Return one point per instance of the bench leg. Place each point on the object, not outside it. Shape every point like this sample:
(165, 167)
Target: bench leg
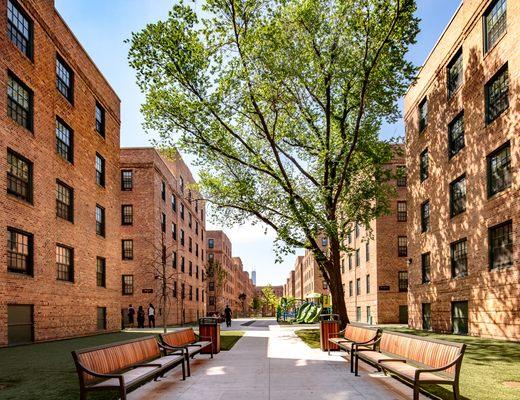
(122, 393)
(352, 358)
(415, 391)
(456, 393)
(183, 370)
(211, 350)
(82, 395)
(188, 364)
(356, 365)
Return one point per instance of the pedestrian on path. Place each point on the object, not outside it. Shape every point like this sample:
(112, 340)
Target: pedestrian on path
(151, 316)
(140, 317)
(227, 312)
(131, 314)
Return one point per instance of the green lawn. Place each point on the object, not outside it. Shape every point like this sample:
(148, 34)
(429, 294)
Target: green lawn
(487, 368)
(46, 371)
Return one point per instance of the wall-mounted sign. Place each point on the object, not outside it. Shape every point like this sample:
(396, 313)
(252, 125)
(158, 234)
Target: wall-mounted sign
(147, 290)
(384, 288)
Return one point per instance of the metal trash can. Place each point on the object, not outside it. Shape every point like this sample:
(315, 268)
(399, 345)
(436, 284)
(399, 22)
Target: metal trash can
(210, 327)
(329, 323)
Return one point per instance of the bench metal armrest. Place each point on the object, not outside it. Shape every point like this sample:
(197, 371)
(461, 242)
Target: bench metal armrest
(182, 349)
(145, 365)
(120, 377)
(418, 372)
(342, 332)
(393, 359)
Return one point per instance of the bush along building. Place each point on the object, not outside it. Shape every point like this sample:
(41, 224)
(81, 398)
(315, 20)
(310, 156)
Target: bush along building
(59, 140)
(463, 155)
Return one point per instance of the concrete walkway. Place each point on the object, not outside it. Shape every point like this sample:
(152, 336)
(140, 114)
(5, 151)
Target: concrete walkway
(271, 363)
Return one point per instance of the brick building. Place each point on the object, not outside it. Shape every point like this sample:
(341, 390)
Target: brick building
(312, 278)
(59, 137)
(463, 155)
(298, 278)
(374, 272)
(243, 285)
(162, 220)
(289, 286)
(267, 310)
(221, 277)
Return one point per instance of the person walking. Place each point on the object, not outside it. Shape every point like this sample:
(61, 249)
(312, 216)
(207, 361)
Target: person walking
(227, 313)
(131, 314)
(140, 317)
(151, 316)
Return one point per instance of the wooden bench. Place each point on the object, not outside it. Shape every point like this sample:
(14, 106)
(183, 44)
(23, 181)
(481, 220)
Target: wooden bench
(123, 365)
(416, 360)
(187, 341)
(353, 337)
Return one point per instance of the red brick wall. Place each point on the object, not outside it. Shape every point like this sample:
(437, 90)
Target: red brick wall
(225, 292)
(150, 169)
(492, 295)
(61, 309)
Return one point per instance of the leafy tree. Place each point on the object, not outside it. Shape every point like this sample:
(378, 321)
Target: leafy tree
(256, 304)
(280, 102)
(242, 297)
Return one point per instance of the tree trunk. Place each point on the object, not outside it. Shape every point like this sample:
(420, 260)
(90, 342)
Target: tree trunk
(333, 267)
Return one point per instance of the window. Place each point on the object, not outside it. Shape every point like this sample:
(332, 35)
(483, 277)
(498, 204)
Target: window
(196, 249)
(211, 243)
(197, 294)
(423, 114)
(126, 180)
(456, 135)
(127, 249)
(367, 251)
(368, 283)
(369, 315)
(358, 258)
(174, 260)
(128, 285)
(402, 279)
(182, 237)
(358, 286)
(423, 165)
(174, 231)
(350, 290)
(401, 211)
(64, 79)
(190, 244)
(100, 119)
(190, 220)
(349, 237)
(211, 286)
(100, 170)
(497, 94)
(458, 196)
(163, 222)
(163, 191)
(358, 314)
(190, 293)
(425, 267)
(19, 176)
(459, 317)
(101, 318)
(211, 300)
(64, 201)
(174, 203)
(426, 316)
(425, 216)
(183, 264)
(455, 75)
(401, 176)
(175, 289)
(402, 246)
(19, 251)
(100, 220)
(197, 272)
(495, 23)
(342, 265)
(64, 140)
(182, 211)
(350, 261)
(20, 28)
(499, 169)
(101, 272)
(127, 214)
(181, 184)
(356, 230)
(64, 263)
(211, 257)
(190, 268)
(501, 245)
(459, 258)
(19, 102)
(183, 291)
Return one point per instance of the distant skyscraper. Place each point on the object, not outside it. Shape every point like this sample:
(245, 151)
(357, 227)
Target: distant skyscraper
(253, 276)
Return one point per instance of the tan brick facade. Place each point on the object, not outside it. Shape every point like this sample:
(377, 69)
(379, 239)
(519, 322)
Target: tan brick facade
(242, 285)
(464, 274)
(312, 278)
(221, 292)
(371, 270)
(68, 306)
(298, 278)
(166, 210)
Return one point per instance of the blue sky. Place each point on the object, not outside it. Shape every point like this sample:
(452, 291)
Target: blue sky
(102, 26)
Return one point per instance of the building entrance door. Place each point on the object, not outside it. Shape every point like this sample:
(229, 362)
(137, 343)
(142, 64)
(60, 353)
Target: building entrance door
(403, 314)
(20, 324)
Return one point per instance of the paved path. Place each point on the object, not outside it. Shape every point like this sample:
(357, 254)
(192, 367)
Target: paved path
(270, 363)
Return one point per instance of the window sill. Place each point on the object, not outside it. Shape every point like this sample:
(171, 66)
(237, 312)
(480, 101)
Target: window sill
(20, 274)
(490, 50)
(497, 117)
(499, 194)
(62, 281)
(20, 200)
